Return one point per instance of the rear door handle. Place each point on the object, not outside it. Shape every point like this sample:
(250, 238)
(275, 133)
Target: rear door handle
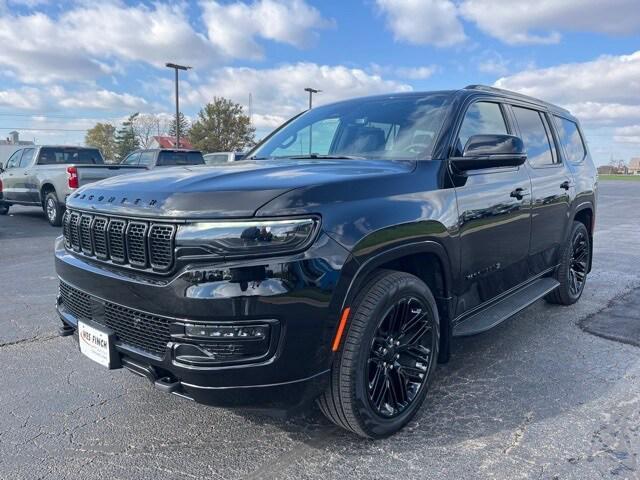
(519, 193)
(566, 185)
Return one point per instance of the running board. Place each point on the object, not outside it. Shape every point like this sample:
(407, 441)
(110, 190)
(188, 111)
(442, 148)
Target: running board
(504, 308)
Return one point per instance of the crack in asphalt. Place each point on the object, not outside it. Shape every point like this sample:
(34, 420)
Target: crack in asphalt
(37, 338)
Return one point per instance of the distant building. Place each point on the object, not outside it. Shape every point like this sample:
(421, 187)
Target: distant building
(607, 170)
(169, 142)
(10, 145)
(634, 166)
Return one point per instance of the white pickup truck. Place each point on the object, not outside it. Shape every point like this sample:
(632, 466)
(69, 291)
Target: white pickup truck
(47, 175)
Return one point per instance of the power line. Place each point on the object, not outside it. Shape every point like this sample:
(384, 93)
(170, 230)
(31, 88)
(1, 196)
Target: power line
(46, 129)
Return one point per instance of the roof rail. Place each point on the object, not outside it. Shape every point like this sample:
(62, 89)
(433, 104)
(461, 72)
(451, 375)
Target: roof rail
(509, 93)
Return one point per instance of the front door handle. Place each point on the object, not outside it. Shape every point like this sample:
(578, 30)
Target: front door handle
(519, 193)
(566, 185)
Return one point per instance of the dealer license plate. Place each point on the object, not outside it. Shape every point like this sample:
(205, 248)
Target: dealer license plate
(94, 344)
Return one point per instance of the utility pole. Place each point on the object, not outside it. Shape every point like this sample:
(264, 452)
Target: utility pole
(177, 67)
(311, 92)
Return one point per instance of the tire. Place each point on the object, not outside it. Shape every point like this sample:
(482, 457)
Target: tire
(4, 208)
(574, 263)
(52, 209)
(362, 363)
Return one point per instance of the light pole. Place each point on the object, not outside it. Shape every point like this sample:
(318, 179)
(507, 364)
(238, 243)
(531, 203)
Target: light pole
(311, 92)
(177, 67)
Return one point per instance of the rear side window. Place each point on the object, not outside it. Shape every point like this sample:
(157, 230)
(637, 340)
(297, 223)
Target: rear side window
(570, 139)
(168, 158)
(536, 137)
(27, 157)
(482, 118)
(64, 155)
(146, 158)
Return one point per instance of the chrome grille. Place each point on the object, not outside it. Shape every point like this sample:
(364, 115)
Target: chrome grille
(139, 329)
(137, 244)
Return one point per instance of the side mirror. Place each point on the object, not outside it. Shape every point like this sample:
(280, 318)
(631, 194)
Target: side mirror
(491, 151)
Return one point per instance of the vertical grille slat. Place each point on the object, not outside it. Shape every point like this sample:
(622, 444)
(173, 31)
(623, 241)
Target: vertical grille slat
(74, 231)
(137, 244)
(86, 242)
(117, 241)
(161, 239)
(99, 230)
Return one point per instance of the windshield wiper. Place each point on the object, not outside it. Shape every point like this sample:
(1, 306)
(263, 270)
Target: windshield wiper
(315, 156)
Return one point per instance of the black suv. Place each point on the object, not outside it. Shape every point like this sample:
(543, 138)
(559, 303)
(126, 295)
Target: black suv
(338, 262)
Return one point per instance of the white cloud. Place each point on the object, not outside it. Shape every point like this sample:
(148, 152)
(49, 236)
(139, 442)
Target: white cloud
(605, 90)
(540, 21)
(233, 27)
(630, 134)
(278, 93)
(26, 98)
(102, 99)
(416, 73)
(423, 22)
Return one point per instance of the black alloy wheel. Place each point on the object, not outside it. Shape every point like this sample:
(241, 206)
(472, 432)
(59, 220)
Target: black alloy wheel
(386, 357)
(575, 261)
(400, 356)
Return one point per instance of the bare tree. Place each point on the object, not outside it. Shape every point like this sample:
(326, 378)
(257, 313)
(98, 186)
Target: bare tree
(145, 127)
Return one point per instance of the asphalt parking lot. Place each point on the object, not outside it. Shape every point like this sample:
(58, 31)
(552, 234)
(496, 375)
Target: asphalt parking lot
(537, 397)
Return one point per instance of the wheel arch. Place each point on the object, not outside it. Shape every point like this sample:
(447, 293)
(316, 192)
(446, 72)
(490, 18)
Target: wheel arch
(45, 188)
(427, 260)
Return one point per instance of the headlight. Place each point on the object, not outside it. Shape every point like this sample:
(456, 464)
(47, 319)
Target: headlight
(247, 238)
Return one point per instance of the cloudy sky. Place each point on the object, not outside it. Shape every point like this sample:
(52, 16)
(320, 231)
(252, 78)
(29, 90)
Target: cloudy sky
(66, 64)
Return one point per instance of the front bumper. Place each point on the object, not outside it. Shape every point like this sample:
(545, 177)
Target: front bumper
(295, 296)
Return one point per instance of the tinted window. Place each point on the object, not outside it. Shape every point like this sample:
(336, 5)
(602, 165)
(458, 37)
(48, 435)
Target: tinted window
(63, 155)
(91, 156)
(27, 157)
(394, 128)
(14, 159)
(536, 137)
(167, 158)
(146, 158)
(216, 158)
(131, 159)
(481, 118)
(570, 139)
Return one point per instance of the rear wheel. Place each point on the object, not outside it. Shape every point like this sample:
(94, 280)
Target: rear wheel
(4, 208)
(383, 369)
(53, 209)
(574, 264)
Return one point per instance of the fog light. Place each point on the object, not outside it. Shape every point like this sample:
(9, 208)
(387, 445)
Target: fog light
(245, 332)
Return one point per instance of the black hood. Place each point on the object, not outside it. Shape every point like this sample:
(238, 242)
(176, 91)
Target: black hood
(235, 190)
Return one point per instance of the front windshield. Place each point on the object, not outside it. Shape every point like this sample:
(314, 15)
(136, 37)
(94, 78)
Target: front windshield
(395, 128)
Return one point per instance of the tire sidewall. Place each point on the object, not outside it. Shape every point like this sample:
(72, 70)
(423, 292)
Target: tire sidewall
(51, 196)
(578, 226)
(374, 424)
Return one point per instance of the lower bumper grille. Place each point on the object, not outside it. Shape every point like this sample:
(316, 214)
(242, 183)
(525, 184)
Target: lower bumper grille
(141, 330)
(137, 329)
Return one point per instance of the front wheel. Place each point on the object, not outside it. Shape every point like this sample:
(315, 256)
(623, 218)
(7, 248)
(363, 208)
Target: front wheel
(53, 209)
(4, 208)
(574, 265)
(388, 353)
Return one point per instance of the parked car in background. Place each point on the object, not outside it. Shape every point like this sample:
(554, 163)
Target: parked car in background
(335, 267)
(163, 157)
(217, 158)
(47, 175)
